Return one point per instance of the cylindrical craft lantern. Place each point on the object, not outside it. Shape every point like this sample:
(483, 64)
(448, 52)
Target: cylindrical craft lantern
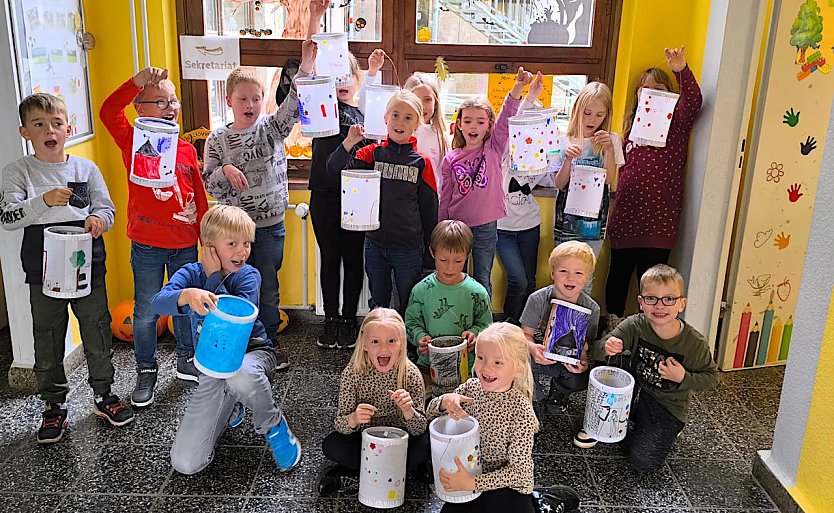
(67, 262)
(452, 439)
(449, 363)
(360, 200)
(528, 153)
(317, 106)
(585, 189)
(608, 404)
(376, 101)
(224, 336)
(154, 152)
(332, 57)
(553, 137)
(382, 470)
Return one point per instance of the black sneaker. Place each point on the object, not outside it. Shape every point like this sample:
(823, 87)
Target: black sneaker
(555, 499)
(336, 479)
(281, 360)
(53, 425)
(346, 339)
(329, 334)
(145, 383)
(557, 402)
(186, 370)
(111, 409)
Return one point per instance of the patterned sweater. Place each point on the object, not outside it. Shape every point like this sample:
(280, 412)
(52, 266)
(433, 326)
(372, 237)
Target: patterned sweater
(372, 388)
(649, 197)
(507, 424)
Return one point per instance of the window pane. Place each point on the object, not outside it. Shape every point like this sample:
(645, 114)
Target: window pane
(506, 22)
(461, 86)
(361, 19)
(295, 145)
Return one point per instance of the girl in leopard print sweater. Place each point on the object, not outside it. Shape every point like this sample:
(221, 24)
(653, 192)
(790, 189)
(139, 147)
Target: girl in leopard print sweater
(501, 399)
(379, 387)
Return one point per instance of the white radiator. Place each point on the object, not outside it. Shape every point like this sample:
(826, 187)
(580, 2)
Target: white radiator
(363, 297)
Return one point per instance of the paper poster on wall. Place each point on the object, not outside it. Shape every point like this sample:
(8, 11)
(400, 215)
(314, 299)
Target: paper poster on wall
(499, 85)
(653, 118)
(50, 58)
(208, 57)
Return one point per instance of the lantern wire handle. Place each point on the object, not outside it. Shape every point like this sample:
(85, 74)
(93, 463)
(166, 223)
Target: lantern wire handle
(396, 74)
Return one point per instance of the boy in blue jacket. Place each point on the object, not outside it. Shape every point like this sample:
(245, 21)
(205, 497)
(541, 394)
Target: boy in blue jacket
(227, 233)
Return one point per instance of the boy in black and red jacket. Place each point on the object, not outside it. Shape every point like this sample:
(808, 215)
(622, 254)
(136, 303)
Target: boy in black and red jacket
(408, 200)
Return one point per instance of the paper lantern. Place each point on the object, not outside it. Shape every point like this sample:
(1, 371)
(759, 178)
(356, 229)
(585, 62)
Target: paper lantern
(527, 145)
(224, 336)
(376, 101)
(452, 439)
(332, 57)
(555, 140)
(608, 404)
(653, 117)
(585, 189)
(154, 152)
(449, 364)
(317, 106)
(566, 329)
(67, 262)
(382, 469)
(360, 200)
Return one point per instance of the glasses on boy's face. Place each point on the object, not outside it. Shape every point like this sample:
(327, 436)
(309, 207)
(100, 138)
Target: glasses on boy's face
(163, 104)
(666, 300)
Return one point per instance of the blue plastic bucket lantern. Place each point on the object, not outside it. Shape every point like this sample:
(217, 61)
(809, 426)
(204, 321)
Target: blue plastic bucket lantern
(224, 336)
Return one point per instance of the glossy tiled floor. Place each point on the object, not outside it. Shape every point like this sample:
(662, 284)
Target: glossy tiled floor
(99, 468)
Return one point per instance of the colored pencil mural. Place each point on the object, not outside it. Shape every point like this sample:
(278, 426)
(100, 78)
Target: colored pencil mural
(764, 338)
(775, 340)
(743, 333)
(765, 342)
(786, 339)
(750, 358)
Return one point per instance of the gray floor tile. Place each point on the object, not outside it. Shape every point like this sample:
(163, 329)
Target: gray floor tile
(98, 503)
(231, 473)
(766, 377)
(198, 504)
(723, 484)
(312, 391)
(354, 506)
(29, 503)
(569, 471)
(119, 468)
(299, 482)
(703, 438)
(618, 485)
(46, 468)
(271, 505)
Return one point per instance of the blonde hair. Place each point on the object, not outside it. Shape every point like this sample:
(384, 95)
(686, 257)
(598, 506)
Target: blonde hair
(660, 77)
(438, 121)
(41, 101)
(355, 70)
(592, 91)
(513, 346)
(572, 249)
(663, 274)
(409, 99)
(226, 220)
(243, 75)
(361, 363)
(458, 141)
(452, 235)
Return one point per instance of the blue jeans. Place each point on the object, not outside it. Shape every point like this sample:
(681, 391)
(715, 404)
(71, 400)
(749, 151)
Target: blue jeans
(485, 238)
(518, 252)
(149, 264)
(266, 256)
(380, 261)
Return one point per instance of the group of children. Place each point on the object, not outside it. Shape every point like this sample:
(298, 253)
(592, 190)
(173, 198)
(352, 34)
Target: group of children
(440, 204)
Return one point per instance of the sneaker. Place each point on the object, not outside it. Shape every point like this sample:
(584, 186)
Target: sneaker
(555, 499)
(145, 383)
(53, 425)
(329, 334)
(186, 370)
(613, 321)
(346, 338)
(583, 441)
(286, 450)
(336, 479)
(557, 402)
(237, 416)
(281, 360)
(111, 409)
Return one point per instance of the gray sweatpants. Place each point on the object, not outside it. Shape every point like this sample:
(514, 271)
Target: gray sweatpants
(207, 415)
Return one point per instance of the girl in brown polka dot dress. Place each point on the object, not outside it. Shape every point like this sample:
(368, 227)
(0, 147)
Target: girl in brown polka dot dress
(649, 197)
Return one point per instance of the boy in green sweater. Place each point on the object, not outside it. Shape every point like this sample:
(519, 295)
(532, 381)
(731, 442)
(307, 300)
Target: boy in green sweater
(668, 358)
(447, 302)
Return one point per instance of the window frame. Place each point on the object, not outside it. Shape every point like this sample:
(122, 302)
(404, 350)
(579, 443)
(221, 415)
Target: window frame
(409, 56)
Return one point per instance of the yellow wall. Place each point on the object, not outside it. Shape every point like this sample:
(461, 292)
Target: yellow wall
(813, 490)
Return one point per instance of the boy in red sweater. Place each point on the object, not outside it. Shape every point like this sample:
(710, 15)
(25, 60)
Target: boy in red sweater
(163, 224)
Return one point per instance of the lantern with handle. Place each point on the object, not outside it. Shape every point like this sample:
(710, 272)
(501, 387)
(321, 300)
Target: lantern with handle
(332, 57)
(376, 102)
(528, 154)
(317, 106)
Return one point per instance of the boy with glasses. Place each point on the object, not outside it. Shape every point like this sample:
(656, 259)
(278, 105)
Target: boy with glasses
(669, 360)
(162, 223)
